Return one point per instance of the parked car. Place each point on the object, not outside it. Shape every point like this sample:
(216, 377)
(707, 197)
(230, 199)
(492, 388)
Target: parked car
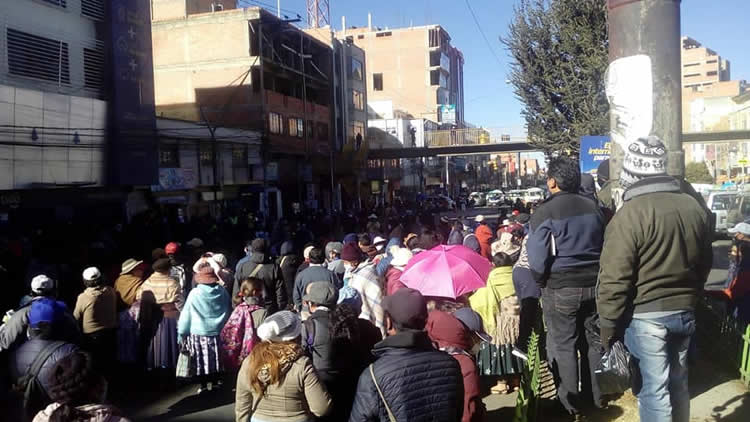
(533, 195)
(720, 202)
(495, 198)
(477, 199)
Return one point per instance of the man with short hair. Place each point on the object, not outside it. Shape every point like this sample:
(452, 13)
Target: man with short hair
(564, 245)
(13, 331)
(316, 271)
(410, 378)
(260, 266)
(657, 256)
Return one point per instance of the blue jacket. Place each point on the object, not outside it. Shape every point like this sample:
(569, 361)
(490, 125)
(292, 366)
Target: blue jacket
(206, 310)
(565, 241)
(419, 382)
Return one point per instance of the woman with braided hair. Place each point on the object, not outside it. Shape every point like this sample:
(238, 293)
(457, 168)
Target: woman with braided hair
(77, 392)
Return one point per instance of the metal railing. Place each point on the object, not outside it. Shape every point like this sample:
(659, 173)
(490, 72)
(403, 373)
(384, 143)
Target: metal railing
(444, 138)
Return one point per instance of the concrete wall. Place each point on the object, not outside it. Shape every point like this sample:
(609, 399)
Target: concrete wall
(53, 157)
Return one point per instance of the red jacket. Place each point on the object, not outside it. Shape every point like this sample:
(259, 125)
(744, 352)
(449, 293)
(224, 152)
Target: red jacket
(393, 281)
(484, 236)
(452, 337)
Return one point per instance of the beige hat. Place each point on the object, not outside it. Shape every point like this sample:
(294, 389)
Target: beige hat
(129, 266)
(401, 256)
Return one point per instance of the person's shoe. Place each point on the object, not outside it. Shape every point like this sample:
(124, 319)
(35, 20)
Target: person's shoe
(520, 354)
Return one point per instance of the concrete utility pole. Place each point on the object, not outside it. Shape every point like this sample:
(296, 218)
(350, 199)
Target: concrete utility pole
(650, 28)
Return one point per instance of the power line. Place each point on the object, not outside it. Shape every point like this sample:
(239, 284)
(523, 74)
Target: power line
(481, 31)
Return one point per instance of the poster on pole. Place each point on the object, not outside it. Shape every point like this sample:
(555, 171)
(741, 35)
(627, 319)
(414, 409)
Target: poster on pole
(594, 150)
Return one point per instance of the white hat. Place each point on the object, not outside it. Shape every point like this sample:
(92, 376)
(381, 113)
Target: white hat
(41, 284)
(129, 265)
(743, 228)
(92, 274)
(195, 242)
(379, 243)
(479, 218)
(506, 222)
(220, 259)
(306, 252)
(401, 256)
(281, 326)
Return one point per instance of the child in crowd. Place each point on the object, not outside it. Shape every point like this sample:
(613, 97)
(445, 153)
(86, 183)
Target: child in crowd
(239, 334)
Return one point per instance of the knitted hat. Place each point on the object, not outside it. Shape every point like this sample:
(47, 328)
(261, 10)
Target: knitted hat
(350, 238)
(350, 296)
(645, 157)
(334, 247)
(351, 252)
(205, 274)
(41, 284)
(281, 326)
(406, 307)
(172, 248)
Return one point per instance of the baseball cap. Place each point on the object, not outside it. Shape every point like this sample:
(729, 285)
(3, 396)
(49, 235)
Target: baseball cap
(45, 310)
(406, 307)
(321, 293)
(41, 284)
(91, 274)
(473, 322)
(172, 248)
(743, 228)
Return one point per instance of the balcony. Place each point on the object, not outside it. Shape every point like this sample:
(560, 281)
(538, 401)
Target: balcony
(440, 59)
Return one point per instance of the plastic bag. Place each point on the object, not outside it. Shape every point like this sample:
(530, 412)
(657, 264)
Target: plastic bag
(613, 371)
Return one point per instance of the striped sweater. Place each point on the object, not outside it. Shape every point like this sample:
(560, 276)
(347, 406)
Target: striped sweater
(165, 289)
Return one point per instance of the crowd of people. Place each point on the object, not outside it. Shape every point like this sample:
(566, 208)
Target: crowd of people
(330, 324)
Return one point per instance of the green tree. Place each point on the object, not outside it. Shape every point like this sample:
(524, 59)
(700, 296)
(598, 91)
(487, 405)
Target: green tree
(698, 173)
(560, 56)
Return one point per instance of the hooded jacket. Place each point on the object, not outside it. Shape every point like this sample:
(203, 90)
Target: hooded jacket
(484, 236)
(96, 309)
(657, 253)
(452, 337)
(274, 292)
(419, 382)
(206, 310)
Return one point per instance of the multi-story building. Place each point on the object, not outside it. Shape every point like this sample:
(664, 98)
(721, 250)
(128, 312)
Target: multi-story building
(705, 74)
(227, 66)
(77, 124)
(416, 69)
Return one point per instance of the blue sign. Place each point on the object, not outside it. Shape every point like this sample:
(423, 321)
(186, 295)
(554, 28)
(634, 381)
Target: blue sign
(594, 150)
(134, 158)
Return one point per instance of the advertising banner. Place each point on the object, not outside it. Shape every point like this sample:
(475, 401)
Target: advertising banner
(594, 150)
(134, 155)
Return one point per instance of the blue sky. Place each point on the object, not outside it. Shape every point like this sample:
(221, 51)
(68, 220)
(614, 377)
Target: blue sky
(720, 25)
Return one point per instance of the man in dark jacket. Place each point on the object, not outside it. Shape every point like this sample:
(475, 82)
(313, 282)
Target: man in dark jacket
(316, 271)
(45, 318)
(410, 378)
(260, 266)
(564, 245)
(288, 263)
(321, 299)
(657, 256)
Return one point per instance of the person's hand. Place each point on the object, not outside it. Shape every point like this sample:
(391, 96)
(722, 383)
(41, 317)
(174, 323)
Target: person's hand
(608, 337)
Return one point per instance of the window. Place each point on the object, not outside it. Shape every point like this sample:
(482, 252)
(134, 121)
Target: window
(434, 37)
(217, 7)
(356, 70)
(358, 100)
(711, 61)
(61, 3)
(300, 128)
(274, 123)
(169, 156)
(360, 37)
(93, 9)
(438, 78)
(239, 156)
(93, 68)
(310, 129)
(292, 126)
(690, 75)
(358, 128)
(711, 73)
(377, 81)
(691, 64)
(383, 34)
(37, 57)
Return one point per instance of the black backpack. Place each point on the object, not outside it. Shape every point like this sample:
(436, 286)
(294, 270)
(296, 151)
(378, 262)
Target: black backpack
(29, 384)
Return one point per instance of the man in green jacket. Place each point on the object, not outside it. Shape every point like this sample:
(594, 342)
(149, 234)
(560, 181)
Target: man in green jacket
(656, 257)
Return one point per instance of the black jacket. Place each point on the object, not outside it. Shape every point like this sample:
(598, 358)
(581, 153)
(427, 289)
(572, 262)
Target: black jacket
(274, 292)
(419, 383)
(316, 340)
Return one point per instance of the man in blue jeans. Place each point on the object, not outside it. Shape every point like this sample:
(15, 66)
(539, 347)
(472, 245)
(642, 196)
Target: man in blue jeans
(657, 255)
(564, 245)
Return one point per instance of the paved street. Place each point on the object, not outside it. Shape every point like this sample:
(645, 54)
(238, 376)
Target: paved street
(712, 394)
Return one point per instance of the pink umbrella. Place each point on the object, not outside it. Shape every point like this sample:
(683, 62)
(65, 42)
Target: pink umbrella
(446, 271)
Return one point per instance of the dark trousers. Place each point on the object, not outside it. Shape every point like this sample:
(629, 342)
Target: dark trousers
(528, 321)
(103, 348)
(566, 312)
